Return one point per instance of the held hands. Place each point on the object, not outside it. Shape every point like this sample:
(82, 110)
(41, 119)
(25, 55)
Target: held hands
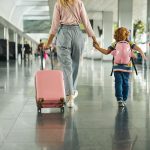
(95, 43)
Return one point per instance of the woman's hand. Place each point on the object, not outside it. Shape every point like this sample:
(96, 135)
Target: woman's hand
(45, 46)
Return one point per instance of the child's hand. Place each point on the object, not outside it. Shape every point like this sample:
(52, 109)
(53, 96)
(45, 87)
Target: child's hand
(134, 56)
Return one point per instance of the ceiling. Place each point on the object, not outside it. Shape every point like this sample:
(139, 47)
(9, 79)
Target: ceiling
(16, 11)
(95, 7)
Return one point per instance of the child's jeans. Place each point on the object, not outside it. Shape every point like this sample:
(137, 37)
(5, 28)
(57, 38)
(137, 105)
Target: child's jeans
(121, 85)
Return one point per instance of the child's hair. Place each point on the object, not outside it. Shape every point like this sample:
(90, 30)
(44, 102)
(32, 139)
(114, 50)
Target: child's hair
(121, 34)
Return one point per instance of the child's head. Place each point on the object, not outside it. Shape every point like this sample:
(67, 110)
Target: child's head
(121, 34)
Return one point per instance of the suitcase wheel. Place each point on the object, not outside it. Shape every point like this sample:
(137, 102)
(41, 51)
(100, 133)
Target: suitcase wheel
(62, 109)
(39, 104)
(39, 110)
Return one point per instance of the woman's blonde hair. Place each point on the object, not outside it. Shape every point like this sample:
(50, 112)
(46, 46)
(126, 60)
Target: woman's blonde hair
(121, 34)
(66, 2)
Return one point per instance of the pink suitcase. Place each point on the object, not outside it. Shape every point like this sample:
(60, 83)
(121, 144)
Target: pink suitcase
(50, 91)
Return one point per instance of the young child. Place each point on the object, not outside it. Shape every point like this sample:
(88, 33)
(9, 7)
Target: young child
(121, 71)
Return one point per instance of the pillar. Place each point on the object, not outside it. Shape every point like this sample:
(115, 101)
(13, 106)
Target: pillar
(1, 31)
(148, 32)
(125, 13)
(6, 36)
(16, 45)
(107, 32)
(11, 35)
(148, 16)
(22, 42)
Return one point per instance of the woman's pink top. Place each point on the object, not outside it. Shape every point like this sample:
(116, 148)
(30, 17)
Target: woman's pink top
(63, 15)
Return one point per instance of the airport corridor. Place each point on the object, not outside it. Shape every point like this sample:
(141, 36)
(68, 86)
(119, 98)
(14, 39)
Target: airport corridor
(96, 123)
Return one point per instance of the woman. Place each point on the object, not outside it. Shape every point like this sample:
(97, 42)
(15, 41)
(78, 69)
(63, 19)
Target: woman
(66, 16)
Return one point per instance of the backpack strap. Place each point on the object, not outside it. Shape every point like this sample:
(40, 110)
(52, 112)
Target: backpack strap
(112, 67)
(133, 63)
(113, 63)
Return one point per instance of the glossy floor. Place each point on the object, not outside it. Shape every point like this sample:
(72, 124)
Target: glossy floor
(96, 123)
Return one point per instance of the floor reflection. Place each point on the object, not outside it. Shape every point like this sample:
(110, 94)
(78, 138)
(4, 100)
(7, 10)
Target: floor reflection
(71, 136)
(50, 130)
(94, 125)
(122, 139)
(57, 131)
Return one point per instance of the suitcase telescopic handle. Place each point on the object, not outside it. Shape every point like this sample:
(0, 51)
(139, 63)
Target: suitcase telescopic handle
(42, 57)
(51, 58)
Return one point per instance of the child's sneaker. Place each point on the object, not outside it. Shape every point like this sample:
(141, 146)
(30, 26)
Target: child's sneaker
(124, 103)
(121, 104)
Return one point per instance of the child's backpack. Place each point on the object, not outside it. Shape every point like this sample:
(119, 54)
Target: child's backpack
(123, 54)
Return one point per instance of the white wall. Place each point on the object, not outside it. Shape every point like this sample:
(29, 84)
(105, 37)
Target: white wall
(13, 13)
(107, 32)
(140, 10)
(125, 13)
(96, 24)
(38, 36)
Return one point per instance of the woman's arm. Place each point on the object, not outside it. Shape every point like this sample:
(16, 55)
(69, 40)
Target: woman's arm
(55, 25)
(50, 39)
(140, 51)
(86, 22)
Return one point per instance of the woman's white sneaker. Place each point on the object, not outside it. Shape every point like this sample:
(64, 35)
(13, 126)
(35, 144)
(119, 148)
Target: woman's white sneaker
(70, 102)
(75, 94)
(68, 97)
